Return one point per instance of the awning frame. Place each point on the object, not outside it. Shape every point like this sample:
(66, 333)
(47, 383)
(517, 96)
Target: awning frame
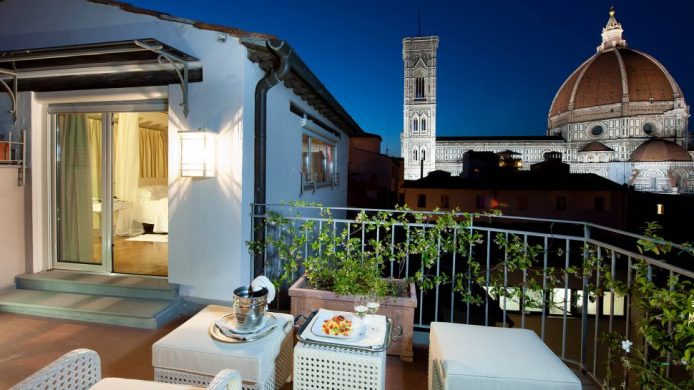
(9, 78)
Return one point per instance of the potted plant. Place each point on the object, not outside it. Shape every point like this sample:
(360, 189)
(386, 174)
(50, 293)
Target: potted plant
(327, 265)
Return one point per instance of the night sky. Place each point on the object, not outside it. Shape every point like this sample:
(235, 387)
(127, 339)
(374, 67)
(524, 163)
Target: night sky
(500, 61)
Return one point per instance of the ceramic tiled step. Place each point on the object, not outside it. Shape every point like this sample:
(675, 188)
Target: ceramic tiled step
(132, 312)
(129, 286)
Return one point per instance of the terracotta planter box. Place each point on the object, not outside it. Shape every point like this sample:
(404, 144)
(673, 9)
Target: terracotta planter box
(305, 300)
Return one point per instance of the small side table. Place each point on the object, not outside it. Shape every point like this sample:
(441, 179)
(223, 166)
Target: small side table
(319, 366)
(189, 355)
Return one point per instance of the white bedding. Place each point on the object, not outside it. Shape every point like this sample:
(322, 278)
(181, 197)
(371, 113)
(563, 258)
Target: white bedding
(152, 207)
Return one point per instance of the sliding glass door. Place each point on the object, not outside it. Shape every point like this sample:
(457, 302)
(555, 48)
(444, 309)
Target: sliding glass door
(82, 217)
(110, 197)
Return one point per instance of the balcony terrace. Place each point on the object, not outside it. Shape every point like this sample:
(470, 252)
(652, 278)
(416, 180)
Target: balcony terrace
(547, 296)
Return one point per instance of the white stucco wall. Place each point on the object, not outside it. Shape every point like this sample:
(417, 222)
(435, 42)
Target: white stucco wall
(209, 219)
(284, 151)
(12, 243)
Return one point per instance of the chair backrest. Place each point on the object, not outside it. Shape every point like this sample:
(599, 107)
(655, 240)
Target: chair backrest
(226, 380)
(79, 369)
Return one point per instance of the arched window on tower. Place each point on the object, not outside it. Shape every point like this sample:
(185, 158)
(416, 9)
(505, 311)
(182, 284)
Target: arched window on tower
(414, 155)
(419, 88)
(415, 125)
(424, 154)
(424, 124)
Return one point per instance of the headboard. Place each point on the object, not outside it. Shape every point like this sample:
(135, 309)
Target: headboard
(153, 181)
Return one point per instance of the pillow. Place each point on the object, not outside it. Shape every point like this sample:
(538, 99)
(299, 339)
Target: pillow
(151, 193)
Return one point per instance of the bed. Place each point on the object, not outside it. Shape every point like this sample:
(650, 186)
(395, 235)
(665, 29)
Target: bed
(152, 205)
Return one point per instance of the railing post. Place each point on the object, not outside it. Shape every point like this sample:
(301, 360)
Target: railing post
(584, 311)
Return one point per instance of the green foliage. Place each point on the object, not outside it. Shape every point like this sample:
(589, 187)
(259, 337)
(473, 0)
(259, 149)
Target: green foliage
(666, 325)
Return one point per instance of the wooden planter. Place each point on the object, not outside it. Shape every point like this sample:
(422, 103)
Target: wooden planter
(305, 300)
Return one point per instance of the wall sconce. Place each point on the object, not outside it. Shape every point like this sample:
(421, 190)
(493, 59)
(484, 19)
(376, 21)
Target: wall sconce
(198, 153)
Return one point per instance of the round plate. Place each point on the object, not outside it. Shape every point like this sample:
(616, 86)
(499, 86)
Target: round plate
(269, 325)
(234, 325)
(358, 328)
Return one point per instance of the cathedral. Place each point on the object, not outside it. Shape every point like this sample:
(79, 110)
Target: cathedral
(620, 115)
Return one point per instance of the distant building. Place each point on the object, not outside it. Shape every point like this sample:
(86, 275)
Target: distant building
(374, 178)
(548, 190)
(619, 115)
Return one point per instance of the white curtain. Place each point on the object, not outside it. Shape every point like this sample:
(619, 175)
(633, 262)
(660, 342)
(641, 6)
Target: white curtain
(76, 190)
(126, 173)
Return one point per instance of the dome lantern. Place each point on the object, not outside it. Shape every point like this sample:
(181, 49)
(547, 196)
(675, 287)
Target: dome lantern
(612, 34)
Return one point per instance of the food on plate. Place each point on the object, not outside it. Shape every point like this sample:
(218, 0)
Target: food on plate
(338, 325)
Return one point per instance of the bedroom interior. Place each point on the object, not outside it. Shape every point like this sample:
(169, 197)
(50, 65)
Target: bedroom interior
(138, 168)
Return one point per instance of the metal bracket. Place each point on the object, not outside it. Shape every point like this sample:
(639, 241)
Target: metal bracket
(12, 91)
(177, 64)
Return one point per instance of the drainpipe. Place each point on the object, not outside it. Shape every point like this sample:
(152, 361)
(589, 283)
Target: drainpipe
(273, 77)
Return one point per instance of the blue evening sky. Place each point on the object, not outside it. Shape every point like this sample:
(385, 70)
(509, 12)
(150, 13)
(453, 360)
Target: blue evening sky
(500, 61)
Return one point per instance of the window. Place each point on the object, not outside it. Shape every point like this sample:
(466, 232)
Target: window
(597, 130)
(424, 155)
(599, 203)
(660, 209)
(414, 155)
(648, 128)
(318, 162)
(479, 201)
(444, 202)
(415, 125)
(424, 124)
(561, 203)
(419, 88)
(522, 202)
(421, 201)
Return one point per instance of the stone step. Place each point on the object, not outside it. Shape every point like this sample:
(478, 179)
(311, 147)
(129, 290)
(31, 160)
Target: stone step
(128, 286)
(131, 312)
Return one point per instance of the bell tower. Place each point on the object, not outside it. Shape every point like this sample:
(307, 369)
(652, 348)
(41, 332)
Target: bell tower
(418, 137)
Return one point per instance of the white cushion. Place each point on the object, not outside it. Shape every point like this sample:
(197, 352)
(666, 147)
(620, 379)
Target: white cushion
(134, 384)
(190, 348)
(479, 357)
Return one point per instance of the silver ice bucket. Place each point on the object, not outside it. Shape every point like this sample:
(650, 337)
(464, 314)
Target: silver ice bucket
(249, 307)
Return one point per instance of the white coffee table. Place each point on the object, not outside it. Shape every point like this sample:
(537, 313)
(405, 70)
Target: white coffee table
(330, 367)
(189, 355)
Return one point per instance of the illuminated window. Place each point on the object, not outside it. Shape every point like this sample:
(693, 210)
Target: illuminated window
(660, 209)
(318, 162)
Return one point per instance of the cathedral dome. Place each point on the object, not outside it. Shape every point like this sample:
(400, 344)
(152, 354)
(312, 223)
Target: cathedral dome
(657, 149)
(615, 82)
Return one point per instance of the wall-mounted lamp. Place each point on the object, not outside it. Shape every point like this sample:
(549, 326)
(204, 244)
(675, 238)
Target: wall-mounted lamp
(198, 157)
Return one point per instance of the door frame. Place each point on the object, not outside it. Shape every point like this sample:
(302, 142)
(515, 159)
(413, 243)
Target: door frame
(107, 111)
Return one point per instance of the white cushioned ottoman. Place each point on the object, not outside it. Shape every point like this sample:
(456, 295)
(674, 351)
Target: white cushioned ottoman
(480, 357)
(189, 355)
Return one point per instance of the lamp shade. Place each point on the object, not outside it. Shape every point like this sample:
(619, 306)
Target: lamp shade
(198, 153)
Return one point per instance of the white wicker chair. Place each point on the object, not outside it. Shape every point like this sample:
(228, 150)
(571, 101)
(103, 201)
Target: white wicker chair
(80, 369)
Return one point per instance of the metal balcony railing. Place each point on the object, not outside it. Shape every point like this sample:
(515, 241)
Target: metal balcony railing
(569, 320)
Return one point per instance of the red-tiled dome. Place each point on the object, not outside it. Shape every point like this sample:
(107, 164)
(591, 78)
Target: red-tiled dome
(616, 82)
(657, 149)
(614, 74)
